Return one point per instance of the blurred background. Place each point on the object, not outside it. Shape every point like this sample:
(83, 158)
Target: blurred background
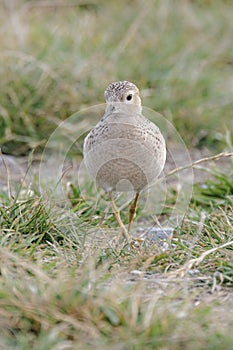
(58, 56)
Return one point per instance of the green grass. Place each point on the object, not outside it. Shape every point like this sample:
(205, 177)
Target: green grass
(57, 59)
(66, 282)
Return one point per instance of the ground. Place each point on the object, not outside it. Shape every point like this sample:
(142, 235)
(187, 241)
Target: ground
(66, 281)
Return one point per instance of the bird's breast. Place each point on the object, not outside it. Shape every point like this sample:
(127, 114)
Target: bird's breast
(129, 151)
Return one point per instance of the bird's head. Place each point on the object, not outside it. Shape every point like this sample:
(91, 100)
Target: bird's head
(123, 94)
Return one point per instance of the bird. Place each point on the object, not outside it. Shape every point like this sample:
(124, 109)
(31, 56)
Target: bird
(125, 151)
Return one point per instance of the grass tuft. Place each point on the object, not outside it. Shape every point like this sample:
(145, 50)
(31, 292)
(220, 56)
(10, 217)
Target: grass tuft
(66, 282)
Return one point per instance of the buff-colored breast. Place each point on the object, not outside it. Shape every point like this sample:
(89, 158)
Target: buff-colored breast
(124, 152)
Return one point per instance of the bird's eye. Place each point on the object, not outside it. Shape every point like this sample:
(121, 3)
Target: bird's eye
(129, 97)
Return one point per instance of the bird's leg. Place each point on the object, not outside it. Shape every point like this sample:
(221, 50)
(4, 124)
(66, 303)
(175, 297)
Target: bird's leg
(118, 218)
(132, 210)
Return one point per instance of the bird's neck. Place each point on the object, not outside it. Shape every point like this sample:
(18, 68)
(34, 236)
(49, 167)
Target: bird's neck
(120, 107)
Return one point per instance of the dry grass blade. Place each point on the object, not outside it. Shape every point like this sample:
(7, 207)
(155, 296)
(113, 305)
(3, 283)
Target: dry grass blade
(195, 262)
(199, 161)
(65, 283)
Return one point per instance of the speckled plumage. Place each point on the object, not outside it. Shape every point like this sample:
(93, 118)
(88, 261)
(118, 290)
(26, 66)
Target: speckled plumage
(125, 151)
(115, 90)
